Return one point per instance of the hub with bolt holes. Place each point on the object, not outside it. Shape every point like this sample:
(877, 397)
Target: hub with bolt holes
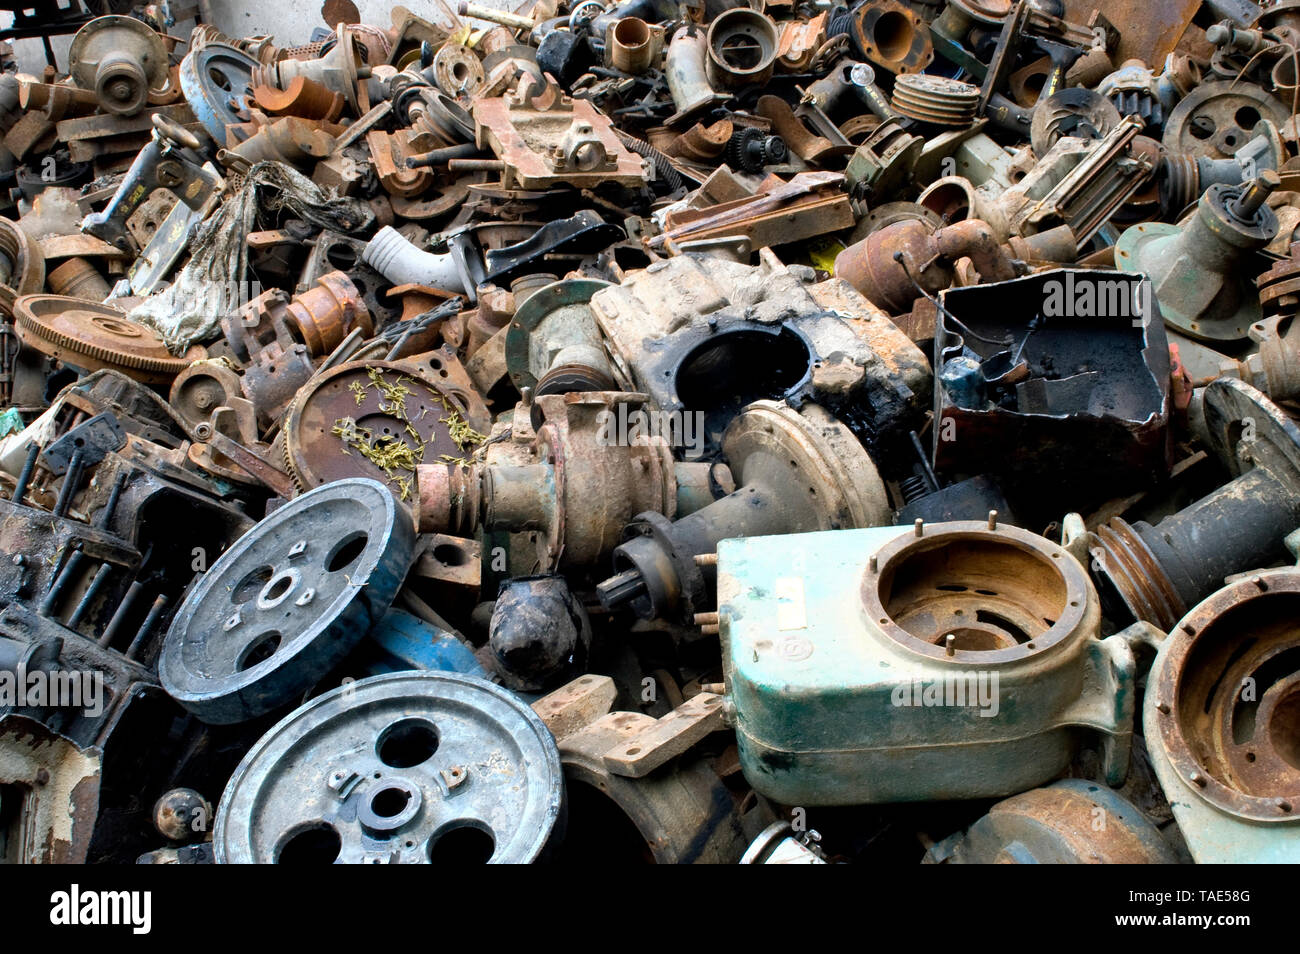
(287, 602)
(403, 768)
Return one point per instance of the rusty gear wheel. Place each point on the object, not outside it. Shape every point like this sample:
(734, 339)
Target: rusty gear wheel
(378, 419)
(94, 336)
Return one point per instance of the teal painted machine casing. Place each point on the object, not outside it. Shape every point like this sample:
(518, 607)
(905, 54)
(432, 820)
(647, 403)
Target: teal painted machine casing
(815, 671)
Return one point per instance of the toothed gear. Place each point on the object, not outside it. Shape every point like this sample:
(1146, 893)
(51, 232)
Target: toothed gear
(750, 150)
(94, 336)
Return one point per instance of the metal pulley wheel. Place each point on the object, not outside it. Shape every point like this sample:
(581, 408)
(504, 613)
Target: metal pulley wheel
(1216, 119)
(935, 99)
(379, 419)
(215, 78)
(121, 59)
(403, 768)
(287, 602)
(94, 336)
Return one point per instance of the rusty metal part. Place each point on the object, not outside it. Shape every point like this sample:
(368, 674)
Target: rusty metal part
(935, 99)
(1080, 183)
(324, 314)
(577, 495)
(303, 97)
(1279, 287)
(202, 388)
(1059, 825)
(389, 154)
(929, 257)
(803, 143)
(566, 143)
(632, 47)
(299, 142)
(811, 203)
(58, 785)
(740, 48)
(1214, 120)
(701, 143)
(657, 575)
(339, 70)
(891, 35)
(1154, 573)
(458, 71)
(121, 59)
(1275, 367)
(22, 264)
(93, 336)
(77, 278)
(1235, 749)
(799, 42)
(680, 814)
(428, 421)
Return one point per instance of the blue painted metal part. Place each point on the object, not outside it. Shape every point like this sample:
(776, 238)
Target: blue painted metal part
(834, 702)
(287, 602)
(215, 102)
(405, 642)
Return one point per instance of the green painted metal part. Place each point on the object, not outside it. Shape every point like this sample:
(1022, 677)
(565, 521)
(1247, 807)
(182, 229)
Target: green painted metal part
(1219, 720)
(831, 697)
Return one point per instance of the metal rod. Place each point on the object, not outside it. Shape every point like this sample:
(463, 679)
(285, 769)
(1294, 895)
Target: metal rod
(87, 598)
(60, 581)
(71, 481)
(120, 614)
(147, 626)
(25, 475)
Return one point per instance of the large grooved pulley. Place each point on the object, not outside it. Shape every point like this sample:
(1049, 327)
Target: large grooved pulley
(287, 602)
(407, 767)
(1217, 119)
(215, 78)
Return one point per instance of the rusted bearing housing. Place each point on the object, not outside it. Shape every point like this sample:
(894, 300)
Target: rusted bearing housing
(741, 49)
(303, 97)
(1238, 750)
(631, 45)
(893, 36)
(1003, 594)
(324, 314)
(22, 266)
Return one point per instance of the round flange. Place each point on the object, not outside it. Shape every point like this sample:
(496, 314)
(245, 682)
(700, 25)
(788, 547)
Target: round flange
(571, 294)
(1224, 698)
(215, 79)
(378, 419)
(287, 602)
(1003, 594)
(457, 71)
(94, 336)
(402, 768)
(121, 59)
(1216, 119)
(815, 454)
(892, 36)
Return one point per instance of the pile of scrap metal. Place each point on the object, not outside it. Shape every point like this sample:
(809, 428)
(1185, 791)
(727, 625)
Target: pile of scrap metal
(656, 431)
